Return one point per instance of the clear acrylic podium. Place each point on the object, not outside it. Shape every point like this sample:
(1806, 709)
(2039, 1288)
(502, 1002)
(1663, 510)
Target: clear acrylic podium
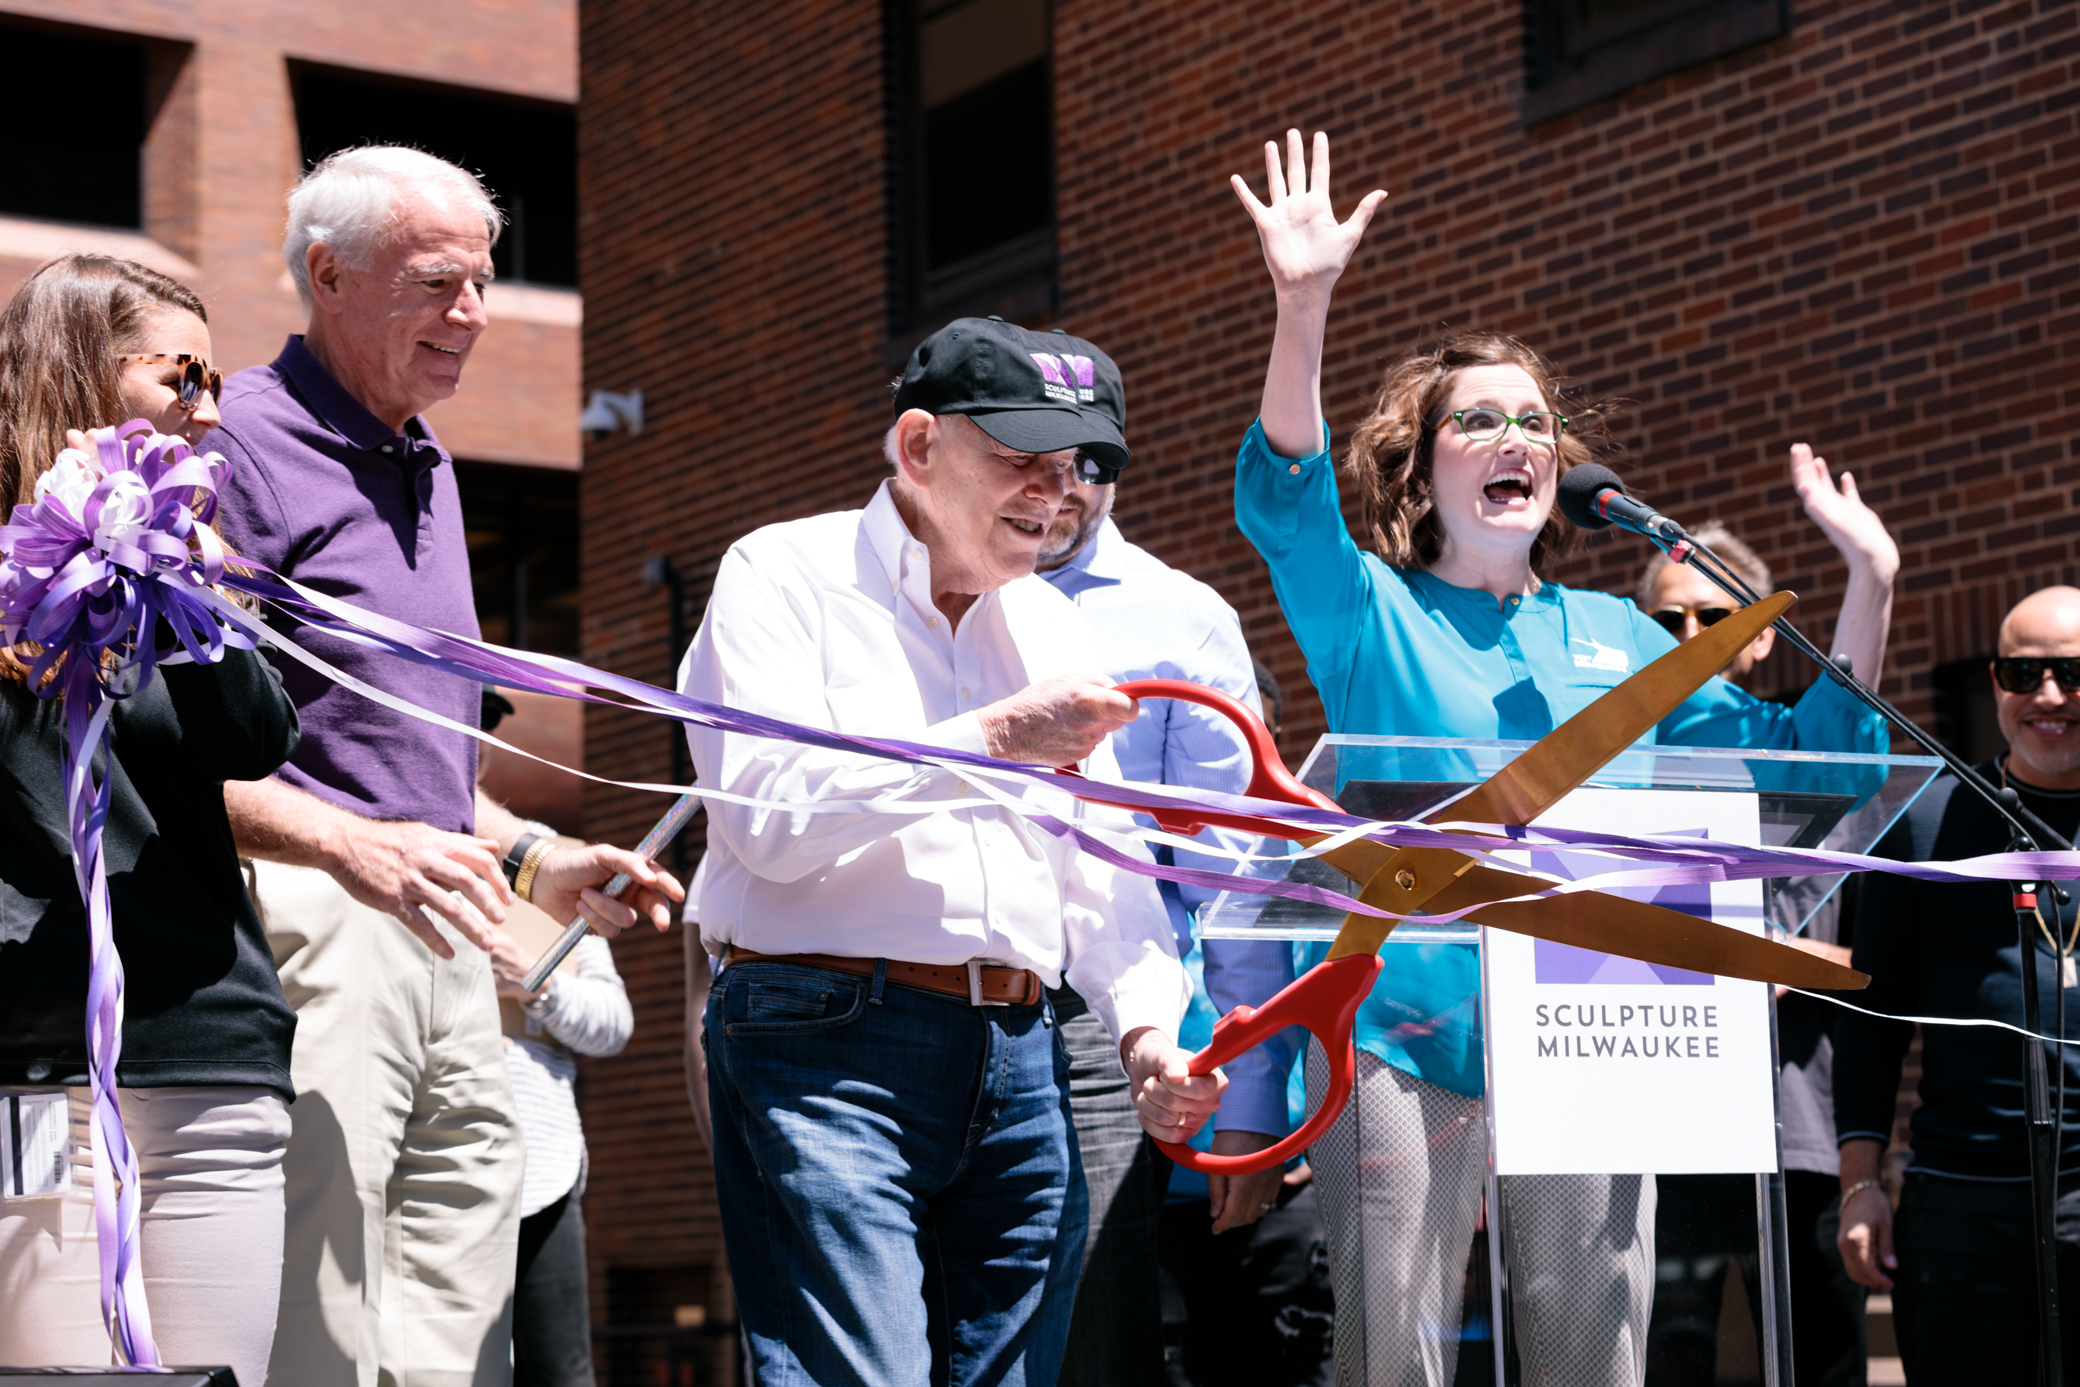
(1705, 1224)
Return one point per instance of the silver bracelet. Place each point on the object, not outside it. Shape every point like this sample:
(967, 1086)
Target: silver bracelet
(1860, 1186)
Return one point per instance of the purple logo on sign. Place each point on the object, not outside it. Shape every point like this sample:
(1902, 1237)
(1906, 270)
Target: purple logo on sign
(1564, 963)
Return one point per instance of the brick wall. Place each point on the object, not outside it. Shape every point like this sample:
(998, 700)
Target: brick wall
(1861, 235)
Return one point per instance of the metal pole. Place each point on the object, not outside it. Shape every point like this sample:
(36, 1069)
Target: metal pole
(2043, 1160)
(1773, 1235)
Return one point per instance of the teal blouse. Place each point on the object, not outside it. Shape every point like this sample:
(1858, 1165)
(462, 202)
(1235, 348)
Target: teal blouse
(1396, 651)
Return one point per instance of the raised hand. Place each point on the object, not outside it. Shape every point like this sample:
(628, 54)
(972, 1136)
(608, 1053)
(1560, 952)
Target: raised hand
(1851, 526)
(1865, 621)
(1305, 247)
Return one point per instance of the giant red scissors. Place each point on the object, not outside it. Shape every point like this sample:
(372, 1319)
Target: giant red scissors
(1440, 881)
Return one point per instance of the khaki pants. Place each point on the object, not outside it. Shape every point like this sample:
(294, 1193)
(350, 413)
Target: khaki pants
(209, 1164)
(404, 1165)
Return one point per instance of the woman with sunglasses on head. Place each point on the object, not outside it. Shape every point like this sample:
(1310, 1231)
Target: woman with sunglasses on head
(1447, 629)
(203, 1079)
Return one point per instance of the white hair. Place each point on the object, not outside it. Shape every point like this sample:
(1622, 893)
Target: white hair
(350, 199)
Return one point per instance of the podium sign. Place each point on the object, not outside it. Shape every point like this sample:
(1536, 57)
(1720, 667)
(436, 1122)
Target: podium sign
(1602, 1065)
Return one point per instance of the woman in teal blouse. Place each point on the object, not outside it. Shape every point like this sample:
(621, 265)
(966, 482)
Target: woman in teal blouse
(1445, 628)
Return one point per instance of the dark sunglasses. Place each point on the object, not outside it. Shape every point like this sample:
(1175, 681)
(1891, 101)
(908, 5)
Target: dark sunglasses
(1673, 616)
(196, 376)
(2024, 674)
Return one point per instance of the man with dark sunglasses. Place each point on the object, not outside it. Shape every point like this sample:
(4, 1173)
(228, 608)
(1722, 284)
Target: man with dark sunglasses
(1957, 1254)
(1683, 601)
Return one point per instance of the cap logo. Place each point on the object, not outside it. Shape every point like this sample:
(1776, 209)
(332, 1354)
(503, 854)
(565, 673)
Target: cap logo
(1070, 379)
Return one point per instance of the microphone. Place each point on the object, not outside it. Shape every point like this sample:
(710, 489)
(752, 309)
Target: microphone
(1592, 497)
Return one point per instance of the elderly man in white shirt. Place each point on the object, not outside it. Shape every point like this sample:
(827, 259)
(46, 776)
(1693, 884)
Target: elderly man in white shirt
(901, 1192)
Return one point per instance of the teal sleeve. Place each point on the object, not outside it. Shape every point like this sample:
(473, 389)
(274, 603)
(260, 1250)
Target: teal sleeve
(1290, 510)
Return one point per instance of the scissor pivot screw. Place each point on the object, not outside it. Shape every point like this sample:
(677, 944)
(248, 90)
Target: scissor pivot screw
(1405, 879)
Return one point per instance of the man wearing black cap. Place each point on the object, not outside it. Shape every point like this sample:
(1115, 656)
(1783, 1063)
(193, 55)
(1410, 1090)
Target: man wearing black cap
(897, 1173)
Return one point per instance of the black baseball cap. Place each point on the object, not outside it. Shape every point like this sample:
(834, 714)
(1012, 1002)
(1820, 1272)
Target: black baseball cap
(1037, 392)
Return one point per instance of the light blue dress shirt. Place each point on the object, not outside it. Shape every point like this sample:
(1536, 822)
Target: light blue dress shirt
(1154, 622)
(1396, 651)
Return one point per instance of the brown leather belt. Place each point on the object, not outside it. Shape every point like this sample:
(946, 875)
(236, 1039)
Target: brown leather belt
(978, 984)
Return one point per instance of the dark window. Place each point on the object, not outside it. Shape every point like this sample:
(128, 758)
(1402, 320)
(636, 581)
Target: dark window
(1967, 714)
(522, 526)
(526, 153)
(76, 127)
(1580, 51)
(973, 89)
(660, 1328)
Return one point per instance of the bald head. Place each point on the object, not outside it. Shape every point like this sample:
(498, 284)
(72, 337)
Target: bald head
(2042, 725)
(2047, 622)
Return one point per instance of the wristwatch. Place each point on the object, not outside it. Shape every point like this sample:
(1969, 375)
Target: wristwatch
(523, 860)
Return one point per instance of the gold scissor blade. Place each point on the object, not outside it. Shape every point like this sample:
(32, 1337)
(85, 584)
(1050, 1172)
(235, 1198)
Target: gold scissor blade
(1650, 933)
(1560, 761)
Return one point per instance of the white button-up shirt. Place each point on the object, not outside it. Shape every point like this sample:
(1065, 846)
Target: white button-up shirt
(829, 622)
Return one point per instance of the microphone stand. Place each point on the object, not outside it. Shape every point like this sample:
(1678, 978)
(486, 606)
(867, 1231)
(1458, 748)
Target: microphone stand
(2027, 833)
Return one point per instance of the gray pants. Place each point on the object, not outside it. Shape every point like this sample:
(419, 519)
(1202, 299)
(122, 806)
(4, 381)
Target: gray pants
(1116, 1332)
(1401, 1174)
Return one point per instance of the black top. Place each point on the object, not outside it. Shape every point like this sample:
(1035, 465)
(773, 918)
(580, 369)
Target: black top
(201, 1001)
(1949, 949)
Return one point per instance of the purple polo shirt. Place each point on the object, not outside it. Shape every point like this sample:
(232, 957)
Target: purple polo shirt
(324, 493)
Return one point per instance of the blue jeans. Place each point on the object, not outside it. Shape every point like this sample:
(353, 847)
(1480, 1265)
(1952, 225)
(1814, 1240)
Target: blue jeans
(901, 1194)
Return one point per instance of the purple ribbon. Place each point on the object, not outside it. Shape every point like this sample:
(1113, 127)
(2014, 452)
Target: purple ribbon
(114, 544)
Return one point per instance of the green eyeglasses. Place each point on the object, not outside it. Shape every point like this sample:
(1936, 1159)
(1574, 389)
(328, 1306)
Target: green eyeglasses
(1539, 426)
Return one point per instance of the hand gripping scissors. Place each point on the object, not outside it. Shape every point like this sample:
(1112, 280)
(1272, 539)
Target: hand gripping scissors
(1326, 999)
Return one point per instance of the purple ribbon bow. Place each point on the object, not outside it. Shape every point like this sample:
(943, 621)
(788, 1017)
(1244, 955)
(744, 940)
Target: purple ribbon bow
(116, 543)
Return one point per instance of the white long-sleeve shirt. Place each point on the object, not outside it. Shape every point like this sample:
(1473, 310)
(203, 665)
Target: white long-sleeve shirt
(829, 622)
(588, 1013)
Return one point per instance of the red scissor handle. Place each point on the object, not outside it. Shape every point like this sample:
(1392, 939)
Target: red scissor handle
(1268, 776)
(1325, 1000)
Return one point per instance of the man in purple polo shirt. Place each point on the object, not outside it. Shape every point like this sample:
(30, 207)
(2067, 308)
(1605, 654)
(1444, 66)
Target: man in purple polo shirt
(373, 850)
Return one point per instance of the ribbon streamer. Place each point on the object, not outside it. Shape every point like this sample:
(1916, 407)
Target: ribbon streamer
(1936, 1020)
